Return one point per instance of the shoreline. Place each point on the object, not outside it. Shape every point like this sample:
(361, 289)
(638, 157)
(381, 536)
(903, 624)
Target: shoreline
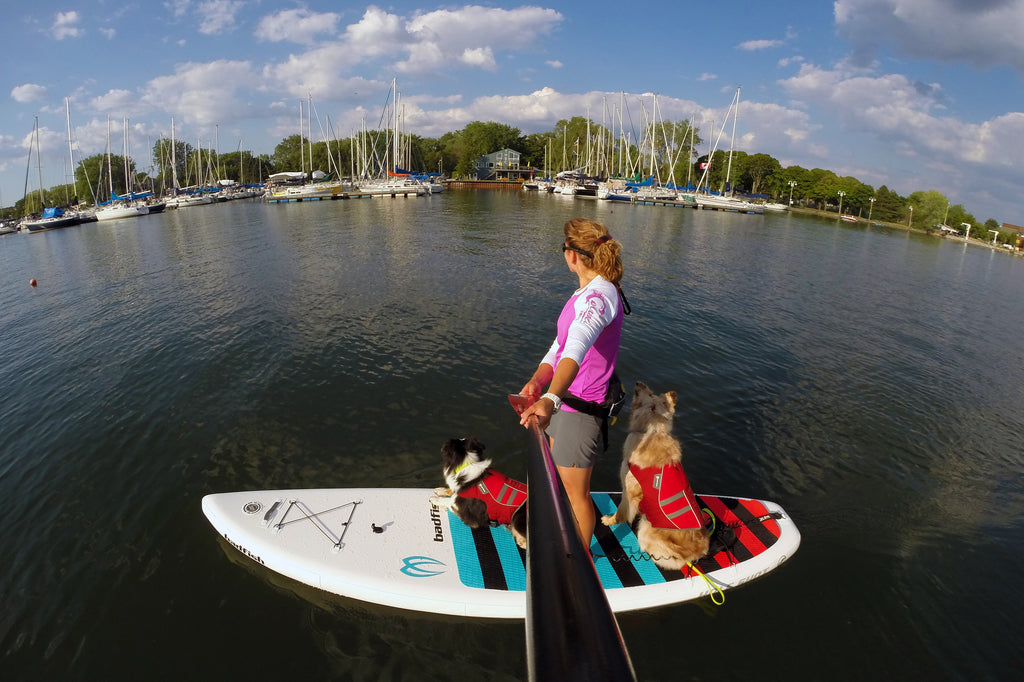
(999, 248)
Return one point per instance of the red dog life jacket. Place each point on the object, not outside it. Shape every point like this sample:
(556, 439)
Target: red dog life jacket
(669, 501)
(502, 495)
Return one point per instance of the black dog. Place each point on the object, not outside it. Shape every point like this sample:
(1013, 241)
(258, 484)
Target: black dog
(479, 495)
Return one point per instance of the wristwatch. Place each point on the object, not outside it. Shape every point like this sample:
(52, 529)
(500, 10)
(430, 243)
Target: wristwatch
(554, 399)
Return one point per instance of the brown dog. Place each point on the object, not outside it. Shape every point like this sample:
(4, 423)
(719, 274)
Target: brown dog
(672, 526)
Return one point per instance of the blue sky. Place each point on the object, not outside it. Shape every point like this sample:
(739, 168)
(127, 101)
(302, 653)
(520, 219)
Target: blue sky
(911, 94)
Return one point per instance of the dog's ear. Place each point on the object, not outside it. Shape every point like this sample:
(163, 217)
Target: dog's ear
(672, 397)
(451, 451)
(474, 445)
(639, 388)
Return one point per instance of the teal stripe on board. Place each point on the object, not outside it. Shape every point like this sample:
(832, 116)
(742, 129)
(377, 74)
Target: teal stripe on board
(465, 552)
(511, 560)
(605, 572)
(645, 567)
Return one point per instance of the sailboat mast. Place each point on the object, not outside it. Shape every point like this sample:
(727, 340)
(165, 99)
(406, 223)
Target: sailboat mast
(127, 187)
(39, 166)
(110, 171)
(732, 143)
(302, 145)
(71, 149)
(689, 156)
(174, 159)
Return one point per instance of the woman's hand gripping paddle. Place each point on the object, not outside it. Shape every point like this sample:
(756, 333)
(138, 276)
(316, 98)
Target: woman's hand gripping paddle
(521, 402)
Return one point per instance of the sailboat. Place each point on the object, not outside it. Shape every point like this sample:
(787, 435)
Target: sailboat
(394, 181)
(722, 202)
(119, 207)
(52, 217)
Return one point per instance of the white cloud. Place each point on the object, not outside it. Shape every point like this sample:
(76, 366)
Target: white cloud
(472, 35)
(108, 33)
(29, 92)
(752, 45)
(178, 8)
(375, 34)
(983, 33)
(554, 64)
(119, 102)
(297, 25)
(903, 116)
(203, 94)
(478, 56)
(707, 77)
(65, 26)
(217, 16)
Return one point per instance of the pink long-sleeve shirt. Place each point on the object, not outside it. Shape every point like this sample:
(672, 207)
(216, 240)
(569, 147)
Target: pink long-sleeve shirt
(589, 330)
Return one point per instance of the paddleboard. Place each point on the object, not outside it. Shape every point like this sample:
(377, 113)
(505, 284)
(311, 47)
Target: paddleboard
(390, 546)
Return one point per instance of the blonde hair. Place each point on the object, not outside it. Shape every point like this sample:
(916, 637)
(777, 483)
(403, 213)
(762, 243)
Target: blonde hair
(605, 254)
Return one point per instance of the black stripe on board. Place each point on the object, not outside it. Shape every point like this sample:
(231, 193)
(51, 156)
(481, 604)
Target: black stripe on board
(617, 556)
(725, 547)
(490, 562)
(753, 523)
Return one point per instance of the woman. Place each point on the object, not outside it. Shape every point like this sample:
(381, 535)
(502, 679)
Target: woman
(580, 362)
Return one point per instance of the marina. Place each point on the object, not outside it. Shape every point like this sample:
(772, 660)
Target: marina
(861, 376)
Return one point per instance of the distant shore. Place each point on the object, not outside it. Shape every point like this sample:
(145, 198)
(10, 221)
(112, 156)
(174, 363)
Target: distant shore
(899, 226)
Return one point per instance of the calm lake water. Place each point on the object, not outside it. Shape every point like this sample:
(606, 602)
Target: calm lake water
(869, 380)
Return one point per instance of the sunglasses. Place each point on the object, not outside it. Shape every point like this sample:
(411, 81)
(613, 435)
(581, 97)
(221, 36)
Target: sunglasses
(566, 247)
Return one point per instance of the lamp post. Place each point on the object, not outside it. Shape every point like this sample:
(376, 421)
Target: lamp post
(792, 184)
(872, 208)
(910, 220)
(841, 195)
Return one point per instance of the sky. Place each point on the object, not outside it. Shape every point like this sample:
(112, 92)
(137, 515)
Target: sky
(910, 94)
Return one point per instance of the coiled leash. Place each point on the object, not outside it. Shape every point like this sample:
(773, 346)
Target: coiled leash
(718, 599)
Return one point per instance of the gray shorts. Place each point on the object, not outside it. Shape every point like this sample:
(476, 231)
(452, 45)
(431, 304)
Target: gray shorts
(576, 439)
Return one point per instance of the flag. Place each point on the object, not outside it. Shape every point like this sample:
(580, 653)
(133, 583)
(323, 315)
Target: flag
(703, 166)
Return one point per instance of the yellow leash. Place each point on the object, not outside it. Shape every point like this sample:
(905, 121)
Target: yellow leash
(718, 599)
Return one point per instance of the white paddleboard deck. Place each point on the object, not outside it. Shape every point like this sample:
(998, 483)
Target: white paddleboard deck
(390, 546)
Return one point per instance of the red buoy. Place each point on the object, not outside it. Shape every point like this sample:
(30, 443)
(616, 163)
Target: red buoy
(32, 282)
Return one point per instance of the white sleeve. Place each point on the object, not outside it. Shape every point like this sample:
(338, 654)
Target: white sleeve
(549, 357)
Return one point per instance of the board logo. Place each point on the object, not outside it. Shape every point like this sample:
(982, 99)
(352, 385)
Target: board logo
(243, 550)
(435, 517)
(422, 567)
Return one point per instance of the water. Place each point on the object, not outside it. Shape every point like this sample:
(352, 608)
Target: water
(867, 379)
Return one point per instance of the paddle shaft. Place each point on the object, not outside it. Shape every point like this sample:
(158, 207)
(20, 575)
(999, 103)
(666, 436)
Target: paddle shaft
(571, 632)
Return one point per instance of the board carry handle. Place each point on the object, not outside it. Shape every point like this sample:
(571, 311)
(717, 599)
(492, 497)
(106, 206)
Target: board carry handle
(571, 632)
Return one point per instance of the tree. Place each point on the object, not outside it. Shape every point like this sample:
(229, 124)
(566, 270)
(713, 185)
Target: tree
(758, 169)
(288, 154)
(929, 208)
(243, 167)
(93, 177)
(535, 149)
(171, 162)
(429, 155)
(478, 139)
